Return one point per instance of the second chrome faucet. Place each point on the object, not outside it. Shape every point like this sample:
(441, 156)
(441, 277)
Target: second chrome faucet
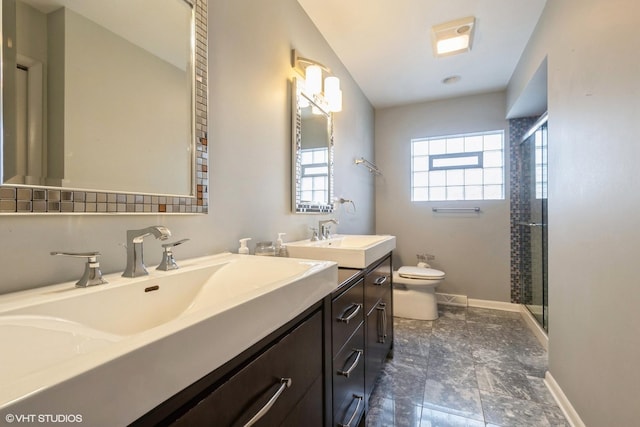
(135, 257)
(325, 228)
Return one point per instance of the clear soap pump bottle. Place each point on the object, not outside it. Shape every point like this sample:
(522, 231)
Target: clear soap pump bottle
(281, 249)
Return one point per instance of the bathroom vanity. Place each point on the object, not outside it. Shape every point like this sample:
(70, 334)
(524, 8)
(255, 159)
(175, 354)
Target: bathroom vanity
(223, 340)
(317, 370)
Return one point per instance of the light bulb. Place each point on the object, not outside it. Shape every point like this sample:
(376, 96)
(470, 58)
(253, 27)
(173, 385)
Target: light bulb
(313, 79)
(333, 94)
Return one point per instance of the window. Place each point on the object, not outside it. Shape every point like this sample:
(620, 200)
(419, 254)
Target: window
(315, 175)
(541, 162)
(458, 167)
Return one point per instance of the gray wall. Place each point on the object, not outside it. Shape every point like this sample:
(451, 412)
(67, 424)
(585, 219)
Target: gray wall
(249, 142)
(594, 344)
(473, 250)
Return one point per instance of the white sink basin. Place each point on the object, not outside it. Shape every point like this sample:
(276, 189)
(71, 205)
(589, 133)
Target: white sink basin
(355, 251)
(131, 306)
(78, 348)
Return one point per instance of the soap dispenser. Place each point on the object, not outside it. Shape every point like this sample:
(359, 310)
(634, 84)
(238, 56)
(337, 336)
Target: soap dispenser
(281, 249)
(243, 249)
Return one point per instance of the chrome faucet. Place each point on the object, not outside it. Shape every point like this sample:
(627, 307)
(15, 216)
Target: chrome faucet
(325, 229)
(135, 259)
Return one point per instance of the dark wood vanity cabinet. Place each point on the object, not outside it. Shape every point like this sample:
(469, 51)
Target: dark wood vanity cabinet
(290, 372)
(282, 378)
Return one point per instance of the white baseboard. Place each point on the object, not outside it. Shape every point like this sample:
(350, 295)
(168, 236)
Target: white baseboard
(561, 399)
(451, 299)
(535, 327)
(494, 305)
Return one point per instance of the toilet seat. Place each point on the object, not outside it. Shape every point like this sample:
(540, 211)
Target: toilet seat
(420, 273)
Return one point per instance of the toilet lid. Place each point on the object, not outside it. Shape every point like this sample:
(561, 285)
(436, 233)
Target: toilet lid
(420, 273)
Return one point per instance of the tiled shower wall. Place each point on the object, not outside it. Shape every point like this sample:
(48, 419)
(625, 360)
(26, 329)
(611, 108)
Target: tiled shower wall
(519, 206)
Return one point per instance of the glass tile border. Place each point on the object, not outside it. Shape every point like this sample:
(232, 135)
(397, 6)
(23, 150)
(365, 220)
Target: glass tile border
(47, 200)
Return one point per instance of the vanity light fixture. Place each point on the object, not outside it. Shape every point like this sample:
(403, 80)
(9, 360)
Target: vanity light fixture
(329, 94)
(453, 37)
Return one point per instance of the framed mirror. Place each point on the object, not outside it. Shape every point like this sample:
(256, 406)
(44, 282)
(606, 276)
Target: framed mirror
(104, 106)
(312, 154)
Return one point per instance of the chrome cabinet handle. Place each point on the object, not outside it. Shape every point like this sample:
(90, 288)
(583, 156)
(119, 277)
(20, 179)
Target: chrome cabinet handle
(355, 312)
(380, 281)
(382, 322)
(284, 383)
(348, 371)
(353, 416)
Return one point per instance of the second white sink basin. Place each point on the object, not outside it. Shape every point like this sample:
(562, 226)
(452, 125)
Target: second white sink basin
(348, 250)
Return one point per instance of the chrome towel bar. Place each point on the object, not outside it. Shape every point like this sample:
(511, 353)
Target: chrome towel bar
(457, 210)
(369, 165)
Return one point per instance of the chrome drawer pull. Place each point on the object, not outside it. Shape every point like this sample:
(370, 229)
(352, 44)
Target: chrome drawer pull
(353, 416)
(382, 322)
(284, 383)
(348, 372)
(382, 329)
(355, 312)
(380, 281)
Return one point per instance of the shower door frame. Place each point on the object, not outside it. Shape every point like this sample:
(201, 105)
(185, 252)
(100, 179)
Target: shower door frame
(539, 308)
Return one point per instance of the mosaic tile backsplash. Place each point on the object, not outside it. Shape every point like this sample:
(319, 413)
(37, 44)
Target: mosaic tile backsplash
(26, 200)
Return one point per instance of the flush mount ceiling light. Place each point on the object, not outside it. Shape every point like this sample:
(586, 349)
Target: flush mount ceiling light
(453, 37)
(331, 96)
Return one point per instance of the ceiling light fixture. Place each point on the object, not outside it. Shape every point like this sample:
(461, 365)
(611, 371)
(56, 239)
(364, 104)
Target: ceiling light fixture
(453, 37)
(331, 96)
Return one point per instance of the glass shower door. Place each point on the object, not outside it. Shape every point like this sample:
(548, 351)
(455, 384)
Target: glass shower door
(533, 229)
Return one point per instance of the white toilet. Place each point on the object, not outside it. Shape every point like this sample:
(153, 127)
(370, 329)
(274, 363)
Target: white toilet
(414, 292)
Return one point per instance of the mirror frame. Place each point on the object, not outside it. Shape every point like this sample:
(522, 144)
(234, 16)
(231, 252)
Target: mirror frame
(297, 206)
(30, 199)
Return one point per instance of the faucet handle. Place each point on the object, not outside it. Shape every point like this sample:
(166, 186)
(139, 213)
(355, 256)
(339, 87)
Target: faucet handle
(77, 254)
(168, 261)
(168, 246)
(314, 237)
(92, 275)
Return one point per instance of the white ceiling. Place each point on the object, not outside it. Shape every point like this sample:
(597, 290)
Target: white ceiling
(386, 45)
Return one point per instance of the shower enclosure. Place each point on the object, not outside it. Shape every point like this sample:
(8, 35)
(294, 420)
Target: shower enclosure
(533, 227)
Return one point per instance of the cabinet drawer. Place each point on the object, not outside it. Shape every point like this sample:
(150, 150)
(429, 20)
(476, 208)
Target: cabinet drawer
(377, 282)
(297, 356)
(348, 381)
(347, 312)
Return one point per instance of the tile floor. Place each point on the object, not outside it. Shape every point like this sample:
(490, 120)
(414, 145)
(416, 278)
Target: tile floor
(471, 367)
